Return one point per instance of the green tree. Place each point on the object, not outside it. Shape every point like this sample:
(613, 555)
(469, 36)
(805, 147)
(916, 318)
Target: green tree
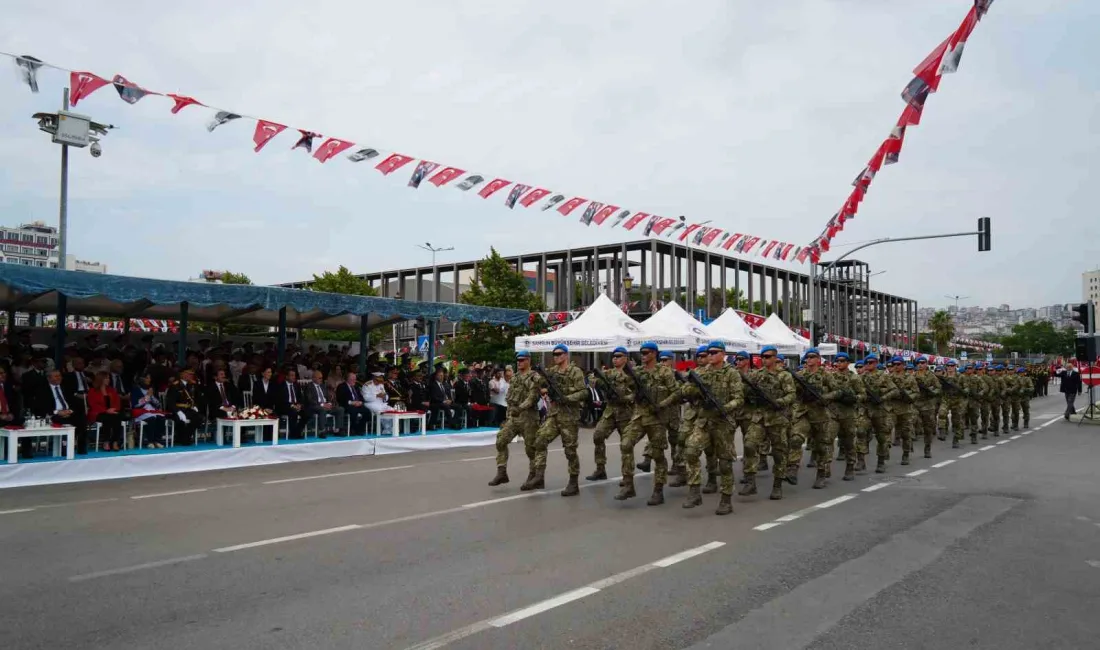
(942, 327)
(1040, 336)
(496, 284)
(345, 282)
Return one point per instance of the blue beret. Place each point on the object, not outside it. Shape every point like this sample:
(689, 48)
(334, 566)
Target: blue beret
(701, 349)
(922, 359)
(896, 359)
(978, 365)
(650, 345)
(952, 362)
(871, 357)
(523, 354)
(910, 366)
(842, 356)
(560, 347)
(780, 357)
(769, 348)
(716, 345)
(667, 354)
(859, 364)
(1021, 370)
(619, 350)
(999, 367)
(811, 351)
(741, 354)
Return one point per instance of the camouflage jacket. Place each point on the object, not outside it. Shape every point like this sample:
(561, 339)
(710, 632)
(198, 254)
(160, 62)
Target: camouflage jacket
(850, 393)
(882, 386)
(724, 384)
(908, 391)
(570, 382)
(1026, 387)
(998, 390)
(979, 388)
(660, 383)
(807, 405)
(955, 386)
(523, 392)
(929, 387)
(776, 384)
(624, 389)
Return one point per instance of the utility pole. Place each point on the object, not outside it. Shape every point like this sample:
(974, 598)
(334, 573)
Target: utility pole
(957, 299)
(434, 325)
(63, 210)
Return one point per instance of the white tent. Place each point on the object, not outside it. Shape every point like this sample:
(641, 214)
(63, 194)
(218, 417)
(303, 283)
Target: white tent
(601, 328)
(673, 328)
(735, 332)
(775, 332)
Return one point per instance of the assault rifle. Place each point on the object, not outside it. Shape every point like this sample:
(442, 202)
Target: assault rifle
(759, 392)
(807, 389)
(708, 397)
(951, 386)
(611, 392)
(551, 388)
(642, 392)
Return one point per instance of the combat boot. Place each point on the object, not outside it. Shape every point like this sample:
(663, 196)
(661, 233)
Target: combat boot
(996, 434)
(763, 465)
(777, 489)
(973, 438)
(627, 491)
(792, 474)
(680, 480)
(749, 488)
(812, 463)
(1027, 425)
(881, 467)
(927, 450)
(712, 484)
(724, 506)
(537, 481)
(942, 437)
(571, 489)
(850, 471)
(680, 470)
(500, 478)
(985, 436)
(599, 475)
(955, 444)
(861, 462)
(829, 470)
(819, 483)
(646, 464)
(904, 458)
(658, 496)
(694, 497)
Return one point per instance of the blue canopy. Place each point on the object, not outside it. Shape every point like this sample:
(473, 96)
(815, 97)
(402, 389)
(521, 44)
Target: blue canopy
(32, 289)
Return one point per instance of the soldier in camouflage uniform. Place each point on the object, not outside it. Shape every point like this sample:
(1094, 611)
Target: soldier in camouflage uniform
(929, 388)
(765, 424)
(997, 397)
(724, 385)
(743, 365)
(523, 416)
(813, 416)
(672, 426)
(863, 421)
(975, 393)
(561, 420)
(954, 404)
(986, 405)
(617, 414)
(938, 372)
(881, 394)
(687, 425)
(1025, 389)
(1008, 403)
(905, 411)
(850, 395)
(655, 390)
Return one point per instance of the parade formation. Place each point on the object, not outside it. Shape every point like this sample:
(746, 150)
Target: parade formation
(778, 410)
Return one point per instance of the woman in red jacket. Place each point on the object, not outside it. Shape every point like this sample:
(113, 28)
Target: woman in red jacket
(105, 407)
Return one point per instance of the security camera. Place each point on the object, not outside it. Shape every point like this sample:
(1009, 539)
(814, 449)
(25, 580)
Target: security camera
(95, 150)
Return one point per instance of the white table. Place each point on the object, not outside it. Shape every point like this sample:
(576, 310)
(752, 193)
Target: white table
(54, 433)
(397, 417)
(237, 425)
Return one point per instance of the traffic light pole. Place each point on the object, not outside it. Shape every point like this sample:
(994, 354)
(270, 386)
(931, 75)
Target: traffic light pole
(885, 240)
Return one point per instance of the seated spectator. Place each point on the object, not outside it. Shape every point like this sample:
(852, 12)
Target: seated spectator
(320, 402)
(463, 397)
(105, 408)
(498, 396)
(351, 400)
(441, 401)
(288, 404)
(182, 401)
(222, 398)
(146, 410)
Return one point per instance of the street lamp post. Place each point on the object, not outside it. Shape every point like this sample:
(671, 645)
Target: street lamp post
(433, 326)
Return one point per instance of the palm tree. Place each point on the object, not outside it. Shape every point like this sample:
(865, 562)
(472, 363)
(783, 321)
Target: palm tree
(943, 330)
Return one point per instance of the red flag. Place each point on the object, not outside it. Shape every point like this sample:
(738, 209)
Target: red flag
(603, 214)
(82, 84)
(928, 70)
(875, 163)
(690, 229)
(264, 132)
(181, 102)
(445, 176)
(393, 162)
(662, 225)
(815, 254)
(330, 148)
(635, 220)
(571, 204)
(786, 252)
(800, 257)
(732, 241)
(711, 235)
(953, 56)
(492, 187)
(769, 248)
(532, 196)
(824, 243)
(749, 243)
(910, 116)
(892, 146)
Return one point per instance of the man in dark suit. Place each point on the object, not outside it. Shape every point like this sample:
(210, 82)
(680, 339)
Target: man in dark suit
(441, 399)
(119, 380)
(249, 378)
(1070, 387)
(463, 395)
(287, 399)
(221, 397)
(33, 380)
(182, 402)
(77, 381)
(350, 399)
(321, 402)
(63, 407)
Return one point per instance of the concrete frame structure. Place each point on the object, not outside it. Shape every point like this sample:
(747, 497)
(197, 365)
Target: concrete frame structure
(661, 270)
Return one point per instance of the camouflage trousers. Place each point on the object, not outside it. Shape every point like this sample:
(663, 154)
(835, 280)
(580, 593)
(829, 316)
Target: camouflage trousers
(995, 416)
(716, 434)
(821, 434)
(657, 434)
(1006, 413)
(1024, 407)
(553, 426)
(973, 415)
(903, 427)
(955, 408)
(613, 418)
(525, 425)
(986, 425)
(687, 425)
(764, 438)
(675, 444)
(846, 433)
(924, 422)
(863, 434)
(882, 422)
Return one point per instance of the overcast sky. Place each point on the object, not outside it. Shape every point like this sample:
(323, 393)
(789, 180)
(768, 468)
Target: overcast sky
(755, 115)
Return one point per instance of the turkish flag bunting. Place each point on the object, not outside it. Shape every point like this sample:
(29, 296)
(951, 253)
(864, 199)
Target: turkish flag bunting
(732, 241)
(532, 196)
(82, 84)
(663, 225)
(687, 231)
(445, 176)
(571, 204)
(264, 132)
(181, 102)
(749, 243)
(393, 162)
(711, 235)
(493, 186)
(786, 252)
(953, 56)
(635, 220)
(825, 244)
(769, 248)
(603, 214)
(910, 116)
(330, 148)
(928, 70)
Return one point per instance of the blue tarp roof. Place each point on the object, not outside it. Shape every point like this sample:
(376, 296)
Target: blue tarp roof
(35, 290)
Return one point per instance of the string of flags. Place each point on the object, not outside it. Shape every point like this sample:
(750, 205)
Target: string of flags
(83, 84)
(871, 348)
(944, 59)
(976, 344)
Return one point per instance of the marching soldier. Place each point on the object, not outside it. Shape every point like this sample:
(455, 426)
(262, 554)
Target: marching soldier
(764, 422)
(1023, 401)
(716, 402)
(523, 417)
(616, 416)
(996, 403)
(863, 421)
(687, 424)
(974, 389)
(954, 404)
(882, 393)
(562, 419)
(814, 421)
(743, 365)
(904, 405)
(655, 390)
(986, 403)
(672, 425)
(929, 387)
(850, 396)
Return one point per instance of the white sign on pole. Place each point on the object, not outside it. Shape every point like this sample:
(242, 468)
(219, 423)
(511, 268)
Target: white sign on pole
(962, 355)
(988, 356)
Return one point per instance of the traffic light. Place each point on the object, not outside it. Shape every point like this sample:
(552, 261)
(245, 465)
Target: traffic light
(984, 235)
(1086, 315)
(1084, 349)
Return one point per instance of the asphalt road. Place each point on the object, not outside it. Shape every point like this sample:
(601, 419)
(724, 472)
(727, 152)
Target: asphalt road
(998, 549)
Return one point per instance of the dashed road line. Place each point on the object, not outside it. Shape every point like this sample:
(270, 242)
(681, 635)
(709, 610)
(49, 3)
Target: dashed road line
(16, 511)
(943, 464)
(877, 486)
(374, 470)
(137, 567)
(287, 538)
(1015, 437)
(987, 447)
(1003, 442)
(918, 472)
(179, 492)
(969, 454)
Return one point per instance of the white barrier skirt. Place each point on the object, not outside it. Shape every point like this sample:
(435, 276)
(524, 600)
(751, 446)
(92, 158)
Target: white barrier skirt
(406, 444)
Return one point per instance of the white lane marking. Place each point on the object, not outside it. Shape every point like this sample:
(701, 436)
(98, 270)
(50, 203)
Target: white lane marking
(77, 503)
(168, 494)
(835, 502)
(767, 526)
(288, 538)
(943, 464)
(136, 567)
(1081, 518)
(335, 474)
(1093, 563)
(470, 460)
(12, 512)
(969, 454)
(918, 472)
(690, 553)
(796, 514)
(1025, 433)
(987, 447)
(877, 486)
(1014, 437)
(1004, 442)
(545, 605)
(478, 504)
